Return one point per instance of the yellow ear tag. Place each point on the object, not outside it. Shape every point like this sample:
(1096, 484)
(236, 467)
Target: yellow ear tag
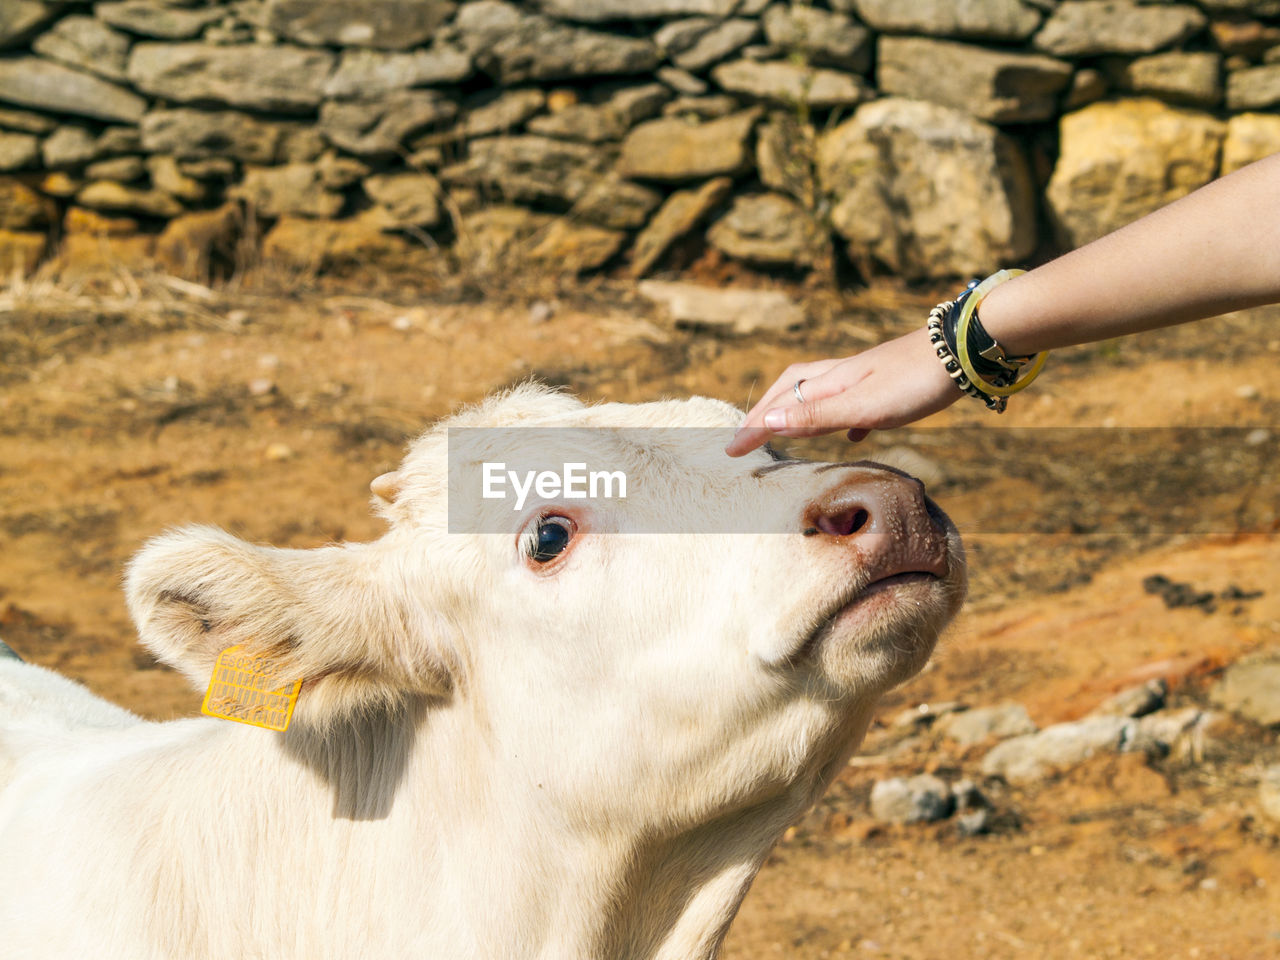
(246, 689)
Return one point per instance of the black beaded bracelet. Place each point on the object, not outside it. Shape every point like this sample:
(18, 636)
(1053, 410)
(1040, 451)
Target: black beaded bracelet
(938, 317)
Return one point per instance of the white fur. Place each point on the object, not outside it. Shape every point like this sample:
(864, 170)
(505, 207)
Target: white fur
(487, 761)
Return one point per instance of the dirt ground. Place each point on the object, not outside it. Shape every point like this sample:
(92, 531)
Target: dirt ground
(132, 403)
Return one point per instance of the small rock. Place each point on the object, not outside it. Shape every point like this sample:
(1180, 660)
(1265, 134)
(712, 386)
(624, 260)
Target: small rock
(993, 85)
(501, 113)
(823, 37)
(1085, 28)
(87, 43)
(1251, 688)
(616, 203)
(770, 229)
(570, 247)
(1038, 755)
(514, 46)
(1164, 729)
(78, 220)
(1006, 20)
(221, 135)
(682, 81)
(166, 21)
(1247, 391)
(408, 199)
(738, 312)
(121, 169)
(203, 246)
(363, 74)
(1175, 594)
(678, 216)
(297, 189)
(1257, 437)
(984, 723)
(333, 245)
(111, 197)
(18, 150)
(926, 714)
(166, 176)
(1257, 88)
(968, 796)
(1136, 701)
(973, 823)
(530, 169)
(1269, 791)
(672, 150)
(389, 24)
(721, 40)
(919, 799)
(25, 121)
(261, 387)
(607, 120)
(1087, 86)
(540, 312)
(1179, 77)
(278, 451)
(45, 85)
(22, 208)
(379, 128)
(701, 108)
(789, 83)
(19, 19)
(278, 79)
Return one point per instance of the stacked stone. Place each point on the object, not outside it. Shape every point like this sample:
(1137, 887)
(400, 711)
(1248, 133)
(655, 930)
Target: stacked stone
(577, 135)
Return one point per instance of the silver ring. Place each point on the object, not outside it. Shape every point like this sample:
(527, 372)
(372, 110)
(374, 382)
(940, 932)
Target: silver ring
(795, 388)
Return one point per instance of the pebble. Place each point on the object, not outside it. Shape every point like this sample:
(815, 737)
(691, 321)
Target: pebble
(278, 451)
(540, 312)
(999, 722)
(919, 799)
(402, 323)
(1257, 437)
(1136, 701)
(1247, 391)
(268, 361)
(1269, 792)
(261, 386)
(238, 318)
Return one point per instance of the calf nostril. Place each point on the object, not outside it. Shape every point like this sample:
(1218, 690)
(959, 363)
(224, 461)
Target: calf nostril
(844, 523)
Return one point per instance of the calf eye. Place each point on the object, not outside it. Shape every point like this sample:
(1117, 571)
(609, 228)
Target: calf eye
(551, 538)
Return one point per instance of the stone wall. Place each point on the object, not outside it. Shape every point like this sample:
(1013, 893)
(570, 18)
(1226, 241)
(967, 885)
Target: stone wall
(924, 138)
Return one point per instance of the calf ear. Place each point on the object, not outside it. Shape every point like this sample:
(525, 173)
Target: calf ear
(344, 619)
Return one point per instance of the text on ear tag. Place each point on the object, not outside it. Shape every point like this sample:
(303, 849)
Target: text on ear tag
(246, 688)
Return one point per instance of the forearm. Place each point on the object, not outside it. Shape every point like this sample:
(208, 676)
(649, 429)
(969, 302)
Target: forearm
(1211, 252)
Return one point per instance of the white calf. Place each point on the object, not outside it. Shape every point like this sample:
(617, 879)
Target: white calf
(565, 740)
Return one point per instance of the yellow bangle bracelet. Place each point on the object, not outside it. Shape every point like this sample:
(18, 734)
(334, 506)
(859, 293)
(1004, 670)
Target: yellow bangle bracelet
(967, 310)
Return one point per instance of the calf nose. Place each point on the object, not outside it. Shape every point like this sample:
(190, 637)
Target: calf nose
(885, 515)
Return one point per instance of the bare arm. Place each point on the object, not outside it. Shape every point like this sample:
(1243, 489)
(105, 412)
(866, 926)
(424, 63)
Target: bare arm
(1214, 251)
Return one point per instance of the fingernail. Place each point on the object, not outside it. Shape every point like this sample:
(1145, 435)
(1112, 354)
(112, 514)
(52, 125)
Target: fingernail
(776, 420)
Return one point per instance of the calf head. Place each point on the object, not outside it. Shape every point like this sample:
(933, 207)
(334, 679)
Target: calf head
(614, 670)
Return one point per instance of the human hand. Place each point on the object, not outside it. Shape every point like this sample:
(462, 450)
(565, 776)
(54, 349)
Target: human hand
(890, 385)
